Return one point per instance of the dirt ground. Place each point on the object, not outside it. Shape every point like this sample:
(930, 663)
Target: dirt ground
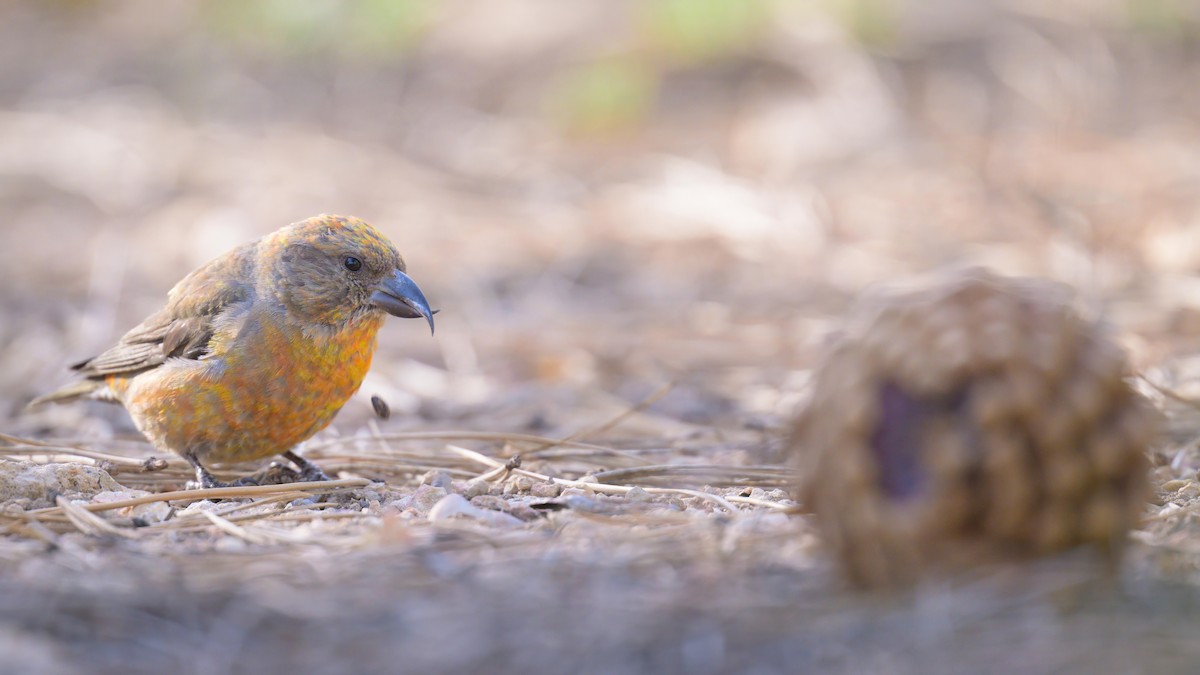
(639, 219)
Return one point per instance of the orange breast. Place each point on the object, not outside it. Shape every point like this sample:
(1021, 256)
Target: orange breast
(275, 386)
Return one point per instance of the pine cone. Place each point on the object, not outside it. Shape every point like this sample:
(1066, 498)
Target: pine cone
(976, 419)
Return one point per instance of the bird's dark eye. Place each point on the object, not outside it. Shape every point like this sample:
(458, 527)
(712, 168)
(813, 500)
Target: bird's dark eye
(353, 264)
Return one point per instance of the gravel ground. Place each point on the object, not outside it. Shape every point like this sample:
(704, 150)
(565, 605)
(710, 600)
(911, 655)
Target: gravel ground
(638, 239)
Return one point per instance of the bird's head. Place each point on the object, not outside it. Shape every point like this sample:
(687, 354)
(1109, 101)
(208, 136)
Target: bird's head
(331, 269)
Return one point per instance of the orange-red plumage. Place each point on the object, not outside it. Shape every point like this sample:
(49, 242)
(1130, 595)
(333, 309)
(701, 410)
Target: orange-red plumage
(258, 350)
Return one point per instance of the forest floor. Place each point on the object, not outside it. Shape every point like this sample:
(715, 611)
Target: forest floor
(585, 470)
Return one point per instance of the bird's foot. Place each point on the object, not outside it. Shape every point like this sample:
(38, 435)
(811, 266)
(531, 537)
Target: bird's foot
(206, 480)
(308, 470)
(277, 473)
(313, 474)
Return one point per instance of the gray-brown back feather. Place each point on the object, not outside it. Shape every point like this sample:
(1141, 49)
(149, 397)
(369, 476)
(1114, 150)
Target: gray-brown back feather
(185, 326)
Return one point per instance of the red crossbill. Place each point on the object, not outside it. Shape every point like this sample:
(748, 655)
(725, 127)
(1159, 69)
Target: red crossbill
(257, 350)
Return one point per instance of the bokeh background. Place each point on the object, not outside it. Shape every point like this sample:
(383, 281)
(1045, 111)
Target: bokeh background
(601, 195)
(604, 196)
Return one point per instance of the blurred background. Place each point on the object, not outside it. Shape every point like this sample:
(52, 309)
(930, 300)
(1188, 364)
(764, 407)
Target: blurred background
(603, 196)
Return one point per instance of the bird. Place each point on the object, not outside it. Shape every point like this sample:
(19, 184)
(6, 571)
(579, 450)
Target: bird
(257, 350)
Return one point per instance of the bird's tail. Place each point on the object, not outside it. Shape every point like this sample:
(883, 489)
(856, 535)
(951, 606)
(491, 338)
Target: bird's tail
(94, 389)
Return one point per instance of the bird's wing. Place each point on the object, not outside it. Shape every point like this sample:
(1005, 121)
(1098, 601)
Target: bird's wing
(185, 326)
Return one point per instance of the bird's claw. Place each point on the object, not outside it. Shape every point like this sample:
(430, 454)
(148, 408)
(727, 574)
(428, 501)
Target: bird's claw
(309, 472)
(312, 473)
(208, 482)
(275, 474)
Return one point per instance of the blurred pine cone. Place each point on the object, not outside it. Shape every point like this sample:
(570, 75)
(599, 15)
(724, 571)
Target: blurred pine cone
(976, 419)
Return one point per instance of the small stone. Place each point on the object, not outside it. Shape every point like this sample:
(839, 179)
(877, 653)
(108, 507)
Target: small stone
(439, 479)
(581, 501)
(545, 490)
(198, 506)
(523, 511)
(490, 502)
(523, 484)
(473, 488)
(41, 483)
(153, 512)
(518, 509)
(426, 497)
(637, 494)
(230, 544)
(451, 505)
(455, 505)
(400, 503)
